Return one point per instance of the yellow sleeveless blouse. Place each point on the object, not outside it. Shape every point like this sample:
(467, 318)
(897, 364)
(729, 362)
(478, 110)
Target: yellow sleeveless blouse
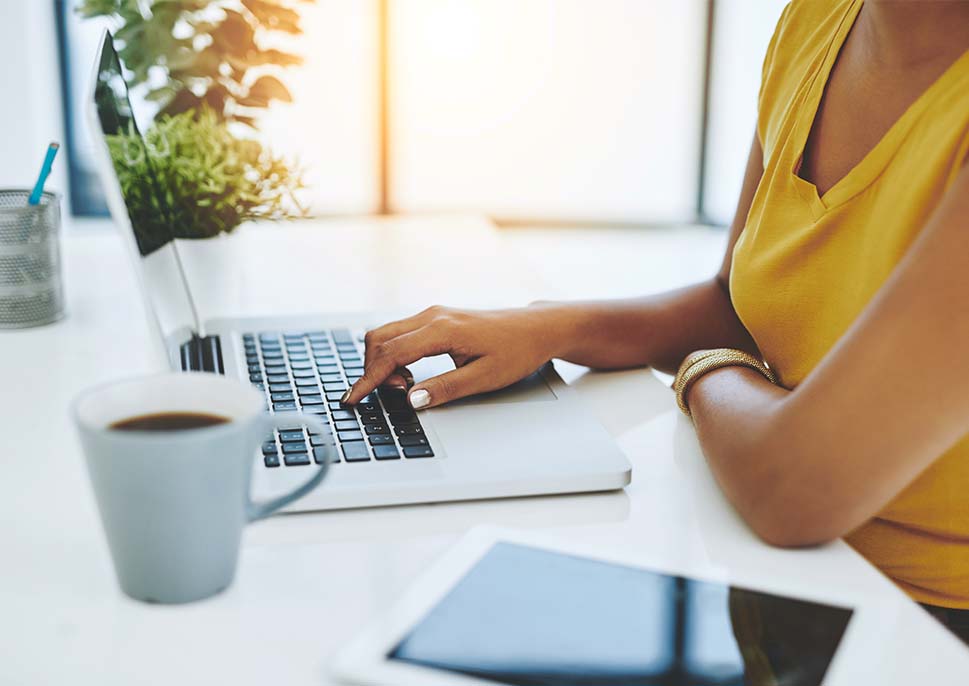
(805, 266)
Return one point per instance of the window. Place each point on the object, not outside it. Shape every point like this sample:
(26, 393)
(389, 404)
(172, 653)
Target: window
(524, 110)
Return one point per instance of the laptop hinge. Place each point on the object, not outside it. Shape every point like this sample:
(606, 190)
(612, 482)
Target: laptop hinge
(202, 354)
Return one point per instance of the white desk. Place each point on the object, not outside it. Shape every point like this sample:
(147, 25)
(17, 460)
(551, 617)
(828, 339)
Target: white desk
(308, 582)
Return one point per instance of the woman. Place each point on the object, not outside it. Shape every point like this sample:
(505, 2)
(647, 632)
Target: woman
(847, 272)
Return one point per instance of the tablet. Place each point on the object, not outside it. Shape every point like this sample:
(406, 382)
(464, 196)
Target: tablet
(505, 611)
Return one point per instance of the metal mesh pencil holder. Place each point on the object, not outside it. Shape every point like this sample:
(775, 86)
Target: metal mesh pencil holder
(31, 289)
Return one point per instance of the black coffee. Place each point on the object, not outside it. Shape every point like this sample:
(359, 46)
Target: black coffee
(169, 421)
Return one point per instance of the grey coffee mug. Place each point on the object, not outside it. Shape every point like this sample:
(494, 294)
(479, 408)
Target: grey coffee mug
(174, 503)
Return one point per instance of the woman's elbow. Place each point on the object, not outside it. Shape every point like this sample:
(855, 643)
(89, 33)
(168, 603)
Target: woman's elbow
(786, 525)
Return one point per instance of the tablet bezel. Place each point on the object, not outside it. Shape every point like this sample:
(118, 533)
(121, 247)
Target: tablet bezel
(364, 660)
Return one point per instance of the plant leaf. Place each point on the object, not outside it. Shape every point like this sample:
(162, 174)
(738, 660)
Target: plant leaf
(183, 101)
(274, 16)
(234, 36)
(270, 88)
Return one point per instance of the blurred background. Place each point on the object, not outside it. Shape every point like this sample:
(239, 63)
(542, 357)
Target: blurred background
(631, 113)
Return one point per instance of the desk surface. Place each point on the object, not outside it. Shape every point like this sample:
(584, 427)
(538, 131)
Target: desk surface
(307, 583)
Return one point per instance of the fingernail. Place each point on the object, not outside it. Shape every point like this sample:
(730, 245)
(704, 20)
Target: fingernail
(420, 398)
(345, 397)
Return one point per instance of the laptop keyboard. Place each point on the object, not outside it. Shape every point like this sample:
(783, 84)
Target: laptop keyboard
(309, 372)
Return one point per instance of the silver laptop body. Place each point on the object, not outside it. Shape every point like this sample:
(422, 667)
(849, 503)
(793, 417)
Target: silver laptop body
(533, 438)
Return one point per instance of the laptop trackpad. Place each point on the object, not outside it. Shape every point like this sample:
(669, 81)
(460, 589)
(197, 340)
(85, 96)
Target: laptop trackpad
(531, 389)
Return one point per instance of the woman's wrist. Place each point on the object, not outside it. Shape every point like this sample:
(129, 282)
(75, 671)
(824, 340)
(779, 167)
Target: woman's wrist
(558, 326)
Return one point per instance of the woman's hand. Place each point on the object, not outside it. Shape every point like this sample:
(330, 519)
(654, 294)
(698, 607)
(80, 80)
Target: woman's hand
(491, 350)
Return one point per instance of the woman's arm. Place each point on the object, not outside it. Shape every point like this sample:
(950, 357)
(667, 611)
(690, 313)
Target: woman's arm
(495, 349)
(808, 466)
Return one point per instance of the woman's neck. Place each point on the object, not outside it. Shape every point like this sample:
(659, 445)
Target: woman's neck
(908, 33)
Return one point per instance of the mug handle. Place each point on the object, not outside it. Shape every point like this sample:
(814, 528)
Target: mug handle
(259, 510)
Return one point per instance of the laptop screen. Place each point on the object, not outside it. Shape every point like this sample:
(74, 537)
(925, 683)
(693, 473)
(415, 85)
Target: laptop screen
(137, 202)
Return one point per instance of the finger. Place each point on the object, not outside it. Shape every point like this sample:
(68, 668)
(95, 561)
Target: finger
(390, 355)
(381, 334)
(474, 377)
(401, 378)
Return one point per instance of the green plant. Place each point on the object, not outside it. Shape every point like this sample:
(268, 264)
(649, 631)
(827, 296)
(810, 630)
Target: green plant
(189, 53)
(191, 178)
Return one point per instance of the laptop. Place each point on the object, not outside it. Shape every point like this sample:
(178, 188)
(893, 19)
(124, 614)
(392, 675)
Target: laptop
(532, 438)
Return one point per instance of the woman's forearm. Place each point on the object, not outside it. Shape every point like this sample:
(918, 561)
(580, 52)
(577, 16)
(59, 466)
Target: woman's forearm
(658, 330)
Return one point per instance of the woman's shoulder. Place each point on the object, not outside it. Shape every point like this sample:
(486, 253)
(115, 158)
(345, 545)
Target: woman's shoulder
(800, 42)
(805, 30)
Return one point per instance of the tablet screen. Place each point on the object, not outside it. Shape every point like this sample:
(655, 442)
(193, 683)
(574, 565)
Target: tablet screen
(527, 616)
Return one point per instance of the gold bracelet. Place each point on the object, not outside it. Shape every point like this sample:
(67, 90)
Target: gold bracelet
(705, 361)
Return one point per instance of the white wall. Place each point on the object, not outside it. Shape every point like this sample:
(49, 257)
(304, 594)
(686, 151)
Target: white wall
(30, 93)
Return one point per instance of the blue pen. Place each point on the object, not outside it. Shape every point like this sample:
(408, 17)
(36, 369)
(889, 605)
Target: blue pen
(44, 173)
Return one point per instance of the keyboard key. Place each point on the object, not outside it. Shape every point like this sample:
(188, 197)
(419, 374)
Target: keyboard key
(408, 441)
(284, 406)
(367, 407)
(297, 364)
(308, 390)
(322, 453)
(355, 452)
(299, 359)
(348, 436)
(288, 436)
(296, 459)
(319, 440)
(409, 430)
(334, 395)
(418, 451)
(334, 405)
(340, 415)
(252, 359)
(353, 371)
(372, 417)
(280, 388)
(332, 386)
(281, 396)
(269, 448)
(278, 378)
(307, 400)
(290, 448)
(377, 429)
(385, 452)
(394, 399)
(306, 381)
(381, 439)
(271, 460)
(403, 417)
(255, 378)
(272, 356)
(317, 410)
(345, 425)
(328, 378)
(258, 384)
(255, 369)
(341, 336)
(328, 369)
(304, 374)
